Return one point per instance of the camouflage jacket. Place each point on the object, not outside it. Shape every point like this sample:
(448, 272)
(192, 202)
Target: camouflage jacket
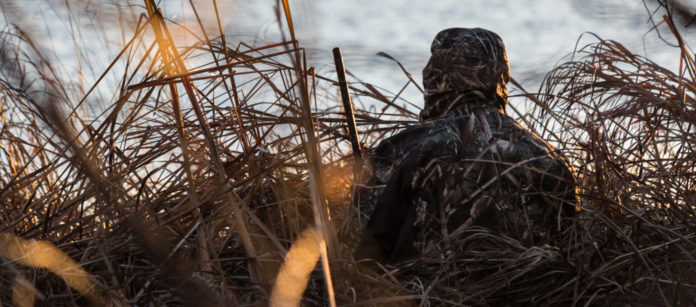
(466, 163)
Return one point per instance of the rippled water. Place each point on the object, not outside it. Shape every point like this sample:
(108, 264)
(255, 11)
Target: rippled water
(538, 34)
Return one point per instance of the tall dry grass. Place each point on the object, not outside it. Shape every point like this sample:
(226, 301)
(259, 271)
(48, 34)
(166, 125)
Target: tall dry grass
(192, 183)
(213, 157)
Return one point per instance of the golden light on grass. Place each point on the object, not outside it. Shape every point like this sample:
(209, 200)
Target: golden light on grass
(337, 181)
(23, 292)
(42, 254)
(294, 274)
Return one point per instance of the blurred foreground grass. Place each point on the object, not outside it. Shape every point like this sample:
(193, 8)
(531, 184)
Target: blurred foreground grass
(191, 183)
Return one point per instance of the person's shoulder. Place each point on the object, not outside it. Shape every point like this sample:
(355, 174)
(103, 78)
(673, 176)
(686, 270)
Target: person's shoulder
(426, 137)
(403, 139)
(529, 144)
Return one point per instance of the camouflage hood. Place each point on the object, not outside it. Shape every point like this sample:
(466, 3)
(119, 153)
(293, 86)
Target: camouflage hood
(467, 67)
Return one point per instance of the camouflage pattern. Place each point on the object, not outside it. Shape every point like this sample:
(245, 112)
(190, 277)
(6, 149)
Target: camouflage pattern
(465, 164)
(465, 63)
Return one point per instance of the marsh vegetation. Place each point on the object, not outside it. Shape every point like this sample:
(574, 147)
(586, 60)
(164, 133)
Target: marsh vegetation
(184, 173)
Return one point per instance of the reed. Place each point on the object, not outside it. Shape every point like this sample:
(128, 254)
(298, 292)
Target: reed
(212, 160)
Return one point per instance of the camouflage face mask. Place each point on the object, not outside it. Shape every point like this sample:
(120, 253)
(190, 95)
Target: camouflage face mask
(467, 66)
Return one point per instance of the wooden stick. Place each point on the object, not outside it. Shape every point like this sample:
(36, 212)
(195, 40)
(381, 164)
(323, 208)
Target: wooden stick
(347, 105)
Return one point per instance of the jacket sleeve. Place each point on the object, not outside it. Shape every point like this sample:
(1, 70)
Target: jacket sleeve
(389, 233)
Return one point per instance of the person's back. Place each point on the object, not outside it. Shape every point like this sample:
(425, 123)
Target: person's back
(466, 164)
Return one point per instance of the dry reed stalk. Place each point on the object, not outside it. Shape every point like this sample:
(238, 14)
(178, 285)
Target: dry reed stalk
(298, 264)
(176, 66)
(42, 254)
(112, 189)
(347, 106)
(24, 294)
(320, 206)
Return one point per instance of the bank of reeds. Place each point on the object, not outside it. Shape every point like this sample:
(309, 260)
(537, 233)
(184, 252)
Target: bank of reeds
(214, 157)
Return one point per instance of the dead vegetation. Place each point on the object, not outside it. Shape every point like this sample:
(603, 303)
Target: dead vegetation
(212, 158)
